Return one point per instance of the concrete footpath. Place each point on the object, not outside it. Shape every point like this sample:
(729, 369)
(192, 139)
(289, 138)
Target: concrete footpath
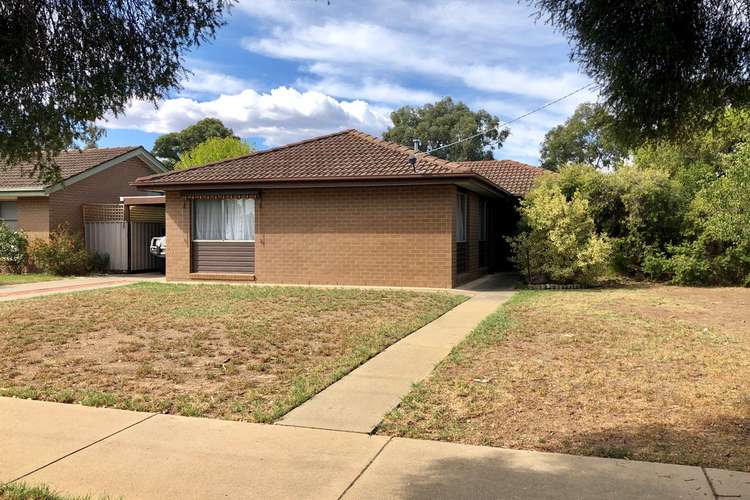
(67, 285)
(92, 451)
(359, 401)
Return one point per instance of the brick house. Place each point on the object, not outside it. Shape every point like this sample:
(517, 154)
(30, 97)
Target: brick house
(99, 175)
(345, 208)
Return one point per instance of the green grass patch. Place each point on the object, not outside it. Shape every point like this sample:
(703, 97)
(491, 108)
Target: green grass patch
(23, 491)
(17, 279)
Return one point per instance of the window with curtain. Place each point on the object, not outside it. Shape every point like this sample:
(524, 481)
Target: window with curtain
(462, 216)
(224, 220)
(9, 214)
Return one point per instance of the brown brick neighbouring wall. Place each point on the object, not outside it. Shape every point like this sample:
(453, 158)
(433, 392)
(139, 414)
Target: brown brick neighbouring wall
(33, 216)
(396, 236)
(105, 187)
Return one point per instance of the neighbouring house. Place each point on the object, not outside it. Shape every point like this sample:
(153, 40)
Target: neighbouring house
(345, 208)
(98, 175)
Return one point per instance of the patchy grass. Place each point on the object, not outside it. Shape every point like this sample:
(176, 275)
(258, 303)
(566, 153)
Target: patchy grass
(22, 491)
(17, 279)
(647, 373)
(234, 352)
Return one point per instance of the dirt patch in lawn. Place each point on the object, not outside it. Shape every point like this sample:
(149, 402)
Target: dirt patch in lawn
(656, 373)
(236, 352)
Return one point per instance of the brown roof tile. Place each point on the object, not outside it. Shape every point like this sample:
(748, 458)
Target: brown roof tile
(349, 154)
(71, 163)
(513, 176)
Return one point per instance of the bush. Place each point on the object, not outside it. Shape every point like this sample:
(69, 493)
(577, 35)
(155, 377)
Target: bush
(558, 242)
(64, 254)
(13, 249)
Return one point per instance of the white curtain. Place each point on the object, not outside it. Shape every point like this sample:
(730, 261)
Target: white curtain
(239, 219)
(207, 220)
(461, 216)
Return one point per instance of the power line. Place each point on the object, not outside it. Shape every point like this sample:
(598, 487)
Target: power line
(535, 110)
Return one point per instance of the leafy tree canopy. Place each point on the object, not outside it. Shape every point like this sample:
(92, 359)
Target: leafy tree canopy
(586, 137)
(214, 149)
(170, 147)
(665, 67)
(66, 63)
(443, 123)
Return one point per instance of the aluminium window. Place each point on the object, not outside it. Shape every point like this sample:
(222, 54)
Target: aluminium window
(462, 217)
(224, 220)
(9, 214)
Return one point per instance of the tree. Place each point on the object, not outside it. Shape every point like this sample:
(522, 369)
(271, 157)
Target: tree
(664, 67)
(67, 63)
(170, 147)
(443, 123)
(586, 137)
(214, 149)
(91, 135)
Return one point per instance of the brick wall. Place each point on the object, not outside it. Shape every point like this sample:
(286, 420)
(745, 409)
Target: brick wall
(397, 236)
(33, 216)
(104, 187)
(177, 222)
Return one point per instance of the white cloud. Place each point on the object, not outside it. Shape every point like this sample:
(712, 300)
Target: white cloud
(279, 116)
(205, 81)
(371, 90)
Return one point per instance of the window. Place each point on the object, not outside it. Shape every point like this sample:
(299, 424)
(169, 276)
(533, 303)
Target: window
(9, 214)
(482, 220)
(224, 220)
(462, 216)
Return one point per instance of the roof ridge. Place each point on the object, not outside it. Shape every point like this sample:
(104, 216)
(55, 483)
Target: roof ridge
(254, 153)
(405, 149)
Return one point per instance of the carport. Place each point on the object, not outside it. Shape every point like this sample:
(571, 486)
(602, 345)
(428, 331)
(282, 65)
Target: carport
(123, 231)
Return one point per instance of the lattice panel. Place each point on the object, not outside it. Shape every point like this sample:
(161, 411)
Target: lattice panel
(104, 212)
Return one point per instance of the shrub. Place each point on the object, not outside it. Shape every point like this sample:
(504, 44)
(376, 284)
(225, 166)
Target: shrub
(13, 249)
(64, 254)
(558, 241)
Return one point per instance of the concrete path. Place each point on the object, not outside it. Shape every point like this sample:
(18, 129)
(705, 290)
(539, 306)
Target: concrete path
(359, 401)
(65, 285)
(90, 451)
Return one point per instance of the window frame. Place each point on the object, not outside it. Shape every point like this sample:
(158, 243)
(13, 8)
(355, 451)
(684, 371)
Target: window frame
(462, 200)
(483, 220)
(5, 220)
(223, 222)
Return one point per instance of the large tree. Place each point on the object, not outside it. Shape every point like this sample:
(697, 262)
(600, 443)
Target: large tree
(665, 67)
(67, 63)
(446, 122)
(214, 149)
(586, 137)
(170, 148)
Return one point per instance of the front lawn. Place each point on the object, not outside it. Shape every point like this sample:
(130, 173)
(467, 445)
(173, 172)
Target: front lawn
(236, 352)
(22, 491)
(652, 373)
(17, 279)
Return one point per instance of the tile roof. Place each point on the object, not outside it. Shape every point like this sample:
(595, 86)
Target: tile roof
(513, 176)
(71, 162)
(348, 155)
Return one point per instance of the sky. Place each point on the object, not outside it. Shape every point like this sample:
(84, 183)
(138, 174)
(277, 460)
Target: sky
(285, 70)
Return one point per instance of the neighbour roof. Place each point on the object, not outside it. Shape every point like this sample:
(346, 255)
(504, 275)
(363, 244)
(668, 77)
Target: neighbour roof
(346, 155)
(513, 176)
(72, 162)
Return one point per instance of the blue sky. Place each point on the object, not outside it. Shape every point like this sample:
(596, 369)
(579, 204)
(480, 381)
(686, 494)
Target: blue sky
(285, 70)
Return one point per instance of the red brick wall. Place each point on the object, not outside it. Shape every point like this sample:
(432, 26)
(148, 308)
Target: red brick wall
(395, 236)
(104, 187)
(33, 216)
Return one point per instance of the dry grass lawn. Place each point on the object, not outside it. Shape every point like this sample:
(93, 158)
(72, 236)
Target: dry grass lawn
(234, 352)
(653, 373)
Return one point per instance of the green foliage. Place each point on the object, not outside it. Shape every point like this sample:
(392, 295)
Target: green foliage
(170, 147)
(443, 123)
(64, 254)
(214, 149)
(13, 249)
(67, 63)
(586, 137)
(558, 241)
(665, 68)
